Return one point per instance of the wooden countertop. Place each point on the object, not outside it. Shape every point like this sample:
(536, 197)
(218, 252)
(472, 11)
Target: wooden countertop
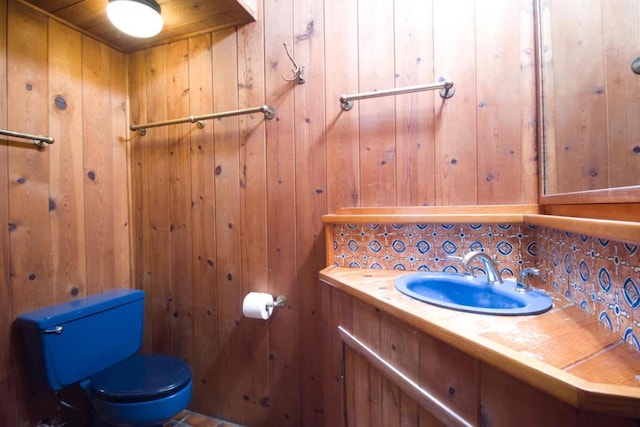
(562, 352)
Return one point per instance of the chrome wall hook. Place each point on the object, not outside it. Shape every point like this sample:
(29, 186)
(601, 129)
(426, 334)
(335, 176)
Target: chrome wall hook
(298, 71)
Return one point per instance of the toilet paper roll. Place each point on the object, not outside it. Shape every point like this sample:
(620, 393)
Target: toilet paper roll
(257, 305)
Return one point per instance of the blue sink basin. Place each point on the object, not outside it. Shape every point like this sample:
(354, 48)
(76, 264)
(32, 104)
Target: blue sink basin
(472, 294)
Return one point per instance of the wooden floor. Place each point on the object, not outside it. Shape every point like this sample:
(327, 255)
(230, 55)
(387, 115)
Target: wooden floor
(192, 419)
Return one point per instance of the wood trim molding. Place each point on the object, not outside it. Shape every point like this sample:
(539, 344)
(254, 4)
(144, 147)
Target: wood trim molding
(618, 222)
(496, 214)
(628, 231)
(616, 211)
(606, 195)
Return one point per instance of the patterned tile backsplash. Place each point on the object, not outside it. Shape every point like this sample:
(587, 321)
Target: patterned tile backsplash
(600, 276)
(425, 247)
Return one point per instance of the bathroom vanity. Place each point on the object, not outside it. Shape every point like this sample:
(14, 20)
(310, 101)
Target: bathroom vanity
(394, 360)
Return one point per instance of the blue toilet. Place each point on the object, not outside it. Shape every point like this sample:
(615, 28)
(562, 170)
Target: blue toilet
(93, 342)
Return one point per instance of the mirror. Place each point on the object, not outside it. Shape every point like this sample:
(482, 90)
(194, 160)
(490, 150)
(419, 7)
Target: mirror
(590, 100)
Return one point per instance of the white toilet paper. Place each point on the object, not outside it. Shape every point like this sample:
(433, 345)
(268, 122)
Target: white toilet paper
(257, 305)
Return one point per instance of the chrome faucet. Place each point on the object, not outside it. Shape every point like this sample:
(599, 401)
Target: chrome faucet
(523, 284)
(493, 273)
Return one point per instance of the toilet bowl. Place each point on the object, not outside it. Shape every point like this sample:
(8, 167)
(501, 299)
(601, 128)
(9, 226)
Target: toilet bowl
(94, 342)
(140, 390)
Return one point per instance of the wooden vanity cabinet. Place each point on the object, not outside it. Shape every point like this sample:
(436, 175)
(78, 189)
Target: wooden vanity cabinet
(390, 374)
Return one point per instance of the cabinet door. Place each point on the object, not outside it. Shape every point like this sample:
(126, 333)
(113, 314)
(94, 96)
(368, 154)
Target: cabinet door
(366, 406)
(451, 376)
(506, 401)
(395, 375)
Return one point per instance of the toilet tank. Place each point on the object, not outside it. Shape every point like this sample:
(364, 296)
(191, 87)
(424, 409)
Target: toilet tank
(67, 343)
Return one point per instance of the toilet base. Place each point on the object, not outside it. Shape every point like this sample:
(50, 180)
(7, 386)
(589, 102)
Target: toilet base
(140, 414)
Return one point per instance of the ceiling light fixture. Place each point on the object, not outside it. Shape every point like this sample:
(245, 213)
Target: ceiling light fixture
(137, 18)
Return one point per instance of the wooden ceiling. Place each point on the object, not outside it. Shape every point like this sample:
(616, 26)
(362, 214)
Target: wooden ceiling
(182, 18)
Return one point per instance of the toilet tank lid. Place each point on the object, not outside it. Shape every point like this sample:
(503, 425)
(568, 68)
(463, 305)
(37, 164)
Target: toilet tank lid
(54, 315)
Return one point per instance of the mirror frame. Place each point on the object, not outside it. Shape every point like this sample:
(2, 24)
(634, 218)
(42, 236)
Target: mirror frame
(630, 194)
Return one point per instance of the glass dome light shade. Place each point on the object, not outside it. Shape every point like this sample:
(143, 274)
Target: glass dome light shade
(137, 18)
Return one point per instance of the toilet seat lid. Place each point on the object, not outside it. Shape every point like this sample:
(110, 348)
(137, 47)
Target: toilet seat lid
(141, 378)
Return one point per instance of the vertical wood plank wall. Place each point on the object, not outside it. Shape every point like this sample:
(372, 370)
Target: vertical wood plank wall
(64, 209)
(7, 377)
(237, 206)
(259, 188)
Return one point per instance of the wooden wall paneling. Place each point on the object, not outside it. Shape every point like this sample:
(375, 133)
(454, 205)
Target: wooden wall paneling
(428, 420)
(311, 198)
(281, 209)
(253, 214)
(547, 139)
(341, 127)
(274, 204)
(456, 143)
(505, 103)
(394, 412)
(8, 374)
(51, 84)
(621, 47)
(377, 117)
(450, 376)
(120, 170)
(585, 419)
(529, 156)
(400, 346)
(139, 184)
(350, 360)
(501, 393)
(230, 390)
(28, 197)
(582, 71)
(415, 148)
(158, 209)
(28, 166)
(96, 162)
(343, 315)
(99, 139)
(205, 320)
(181, 233)
(336, 311)
(361, 412)
(66, 157)
(368, 390)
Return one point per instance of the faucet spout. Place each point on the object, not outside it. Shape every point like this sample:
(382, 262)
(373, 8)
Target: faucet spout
(493, 273)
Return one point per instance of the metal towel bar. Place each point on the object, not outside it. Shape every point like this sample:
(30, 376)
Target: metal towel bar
(446, 91)
(269, 113)
(38, 140)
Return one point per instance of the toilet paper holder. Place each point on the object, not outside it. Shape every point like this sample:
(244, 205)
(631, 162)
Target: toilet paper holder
(280, 301)
(261, 305)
